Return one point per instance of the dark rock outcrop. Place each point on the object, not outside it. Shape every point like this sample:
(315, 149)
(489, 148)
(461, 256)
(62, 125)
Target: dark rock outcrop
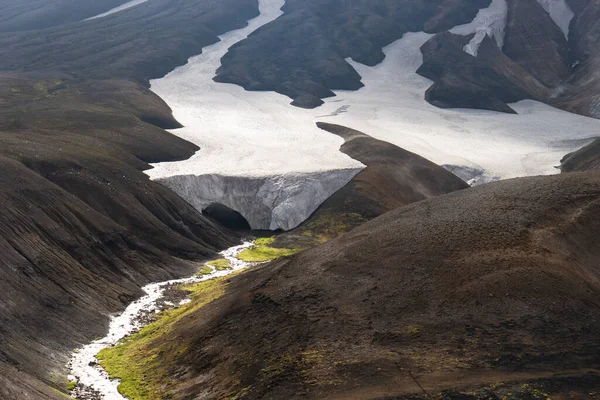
(302, 53)
(81, 226)
(488, 81)
(393, 177)
(533, 41)
(581, 93)
(489, 285)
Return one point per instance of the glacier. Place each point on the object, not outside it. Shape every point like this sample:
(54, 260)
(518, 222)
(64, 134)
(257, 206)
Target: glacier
(266, 159)
(270, 202)
(258, 155)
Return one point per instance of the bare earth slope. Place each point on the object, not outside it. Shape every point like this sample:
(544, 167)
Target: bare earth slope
(82, 228)
(584, 159)
(19, 15)
(393, 178)
(468, 291)
(139, 44)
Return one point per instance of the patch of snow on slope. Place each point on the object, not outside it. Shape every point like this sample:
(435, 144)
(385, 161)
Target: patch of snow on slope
(259, 155)
(490, 22)
(120, 8)
(560, 12)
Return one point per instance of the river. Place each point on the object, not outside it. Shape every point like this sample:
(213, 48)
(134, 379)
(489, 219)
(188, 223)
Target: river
(92, 381)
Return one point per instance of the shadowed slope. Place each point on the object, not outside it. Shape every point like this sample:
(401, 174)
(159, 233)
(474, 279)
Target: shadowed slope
(81, 226)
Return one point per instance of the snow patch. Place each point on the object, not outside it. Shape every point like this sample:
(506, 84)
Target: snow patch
(560, 12)
(117, 9)
(490, 22)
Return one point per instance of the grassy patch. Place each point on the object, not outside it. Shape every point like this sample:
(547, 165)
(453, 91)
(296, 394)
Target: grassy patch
(71, 385)
(261, 251)
(220, 265)
(142, 361)
(205, 270)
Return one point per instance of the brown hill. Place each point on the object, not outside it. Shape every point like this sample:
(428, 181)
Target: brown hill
(482, 293)
(393, 177)
(584, 159)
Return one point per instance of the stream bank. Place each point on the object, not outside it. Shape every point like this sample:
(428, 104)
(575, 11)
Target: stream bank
(88, 379)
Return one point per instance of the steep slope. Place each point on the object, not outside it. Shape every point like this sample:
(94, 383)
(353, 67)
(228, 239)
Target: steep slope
(139, 44)
(534, 41)
(393, 178)
(581, 93)
(466, 291)
(584, 159)
(487, 81)
(81, 226)
(18, 15)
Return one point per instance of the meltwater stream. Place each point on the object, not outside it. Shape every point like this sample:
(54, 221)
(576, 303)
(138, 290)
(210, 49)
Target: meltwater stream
(92, 381)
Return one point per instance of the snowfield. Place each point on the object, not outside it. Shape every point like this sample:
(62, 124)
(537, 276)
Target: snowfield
(254, 143)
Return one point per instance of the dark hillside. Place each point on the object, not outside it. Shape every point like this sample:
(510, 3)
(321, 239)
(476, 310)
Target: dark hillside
(81, 226)
(483, 289)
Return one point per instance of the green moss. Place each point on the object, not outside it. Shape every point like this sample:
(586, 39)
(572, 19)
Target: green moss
(220, 265)
(71, 385)
(261, 251)
(205, 270)
(143, 360)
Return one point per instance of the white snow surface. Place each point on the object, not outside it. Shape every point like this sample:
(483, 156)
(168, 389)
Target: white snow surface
(84, 366)
(288, 165)
(122, 7)
(391, 107)
(490, 22)
(257, 136)
(560, 12)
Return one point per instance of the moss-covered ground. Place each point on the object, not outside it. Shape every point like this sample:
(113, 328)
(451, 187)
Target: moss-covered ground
(220, 265)
(262, 251)
(142, 360)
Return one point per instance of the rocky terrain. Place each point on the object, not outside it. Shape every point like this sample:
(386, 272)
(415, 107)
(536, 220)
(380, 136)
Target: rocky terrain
(478, 290)
(82, 228)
